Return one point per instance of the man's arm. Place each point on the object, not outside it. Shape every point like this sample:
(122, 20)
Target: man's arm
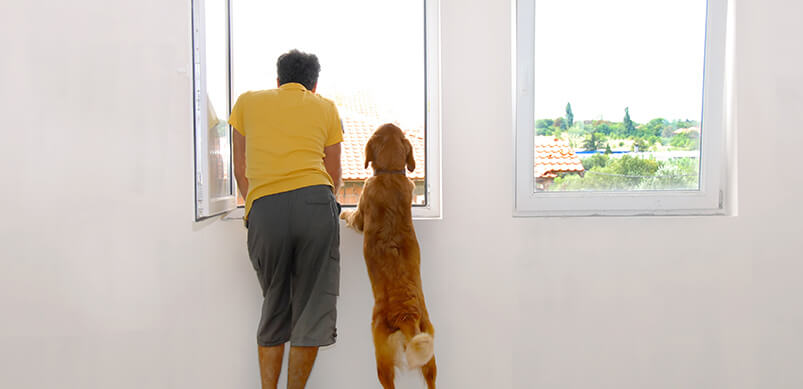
(239, 162)
(331, 160)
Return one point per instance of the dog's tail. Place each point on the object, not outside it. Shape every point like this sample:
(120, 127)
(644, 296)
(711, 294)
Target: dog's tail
(419, 350)
(414, 342)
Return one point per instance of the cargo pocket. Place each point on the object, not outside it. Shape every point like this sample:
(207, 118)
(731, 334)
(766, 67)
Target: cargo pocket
(334, 251)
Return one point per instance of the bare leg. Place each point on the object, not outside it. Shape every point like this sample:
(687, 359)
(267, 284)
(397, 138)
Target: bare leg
(301, 361)
(270, 365)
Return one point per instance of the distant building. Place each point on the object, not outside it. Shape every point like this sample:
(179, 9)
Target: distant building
(360, 120)
(553, 156)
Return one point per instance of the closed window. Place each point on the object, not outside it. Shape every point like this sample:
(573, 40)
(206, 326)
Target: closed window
(619, 106)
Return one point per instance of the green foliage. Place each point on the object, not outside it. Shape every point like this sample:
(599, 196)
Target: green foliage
(560, 123)
(640, 144)
(631, 173)
(543, 123)
(593, 141)
(623, 173)
(654, 127)
(596, 160)
(569, 115)
(630, 127)
(680, 173)
(603, 128)
(684, 141)
(544, 127)
(545, 131)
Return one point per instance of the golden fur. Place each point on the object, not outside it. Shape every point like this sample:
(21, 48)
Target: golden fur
(400, 322)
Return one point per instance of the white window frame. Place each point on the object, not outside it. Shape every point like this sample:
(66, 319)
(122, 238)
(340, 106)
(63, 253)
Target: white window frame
(433, 136)
(708, 200)
(205, 205)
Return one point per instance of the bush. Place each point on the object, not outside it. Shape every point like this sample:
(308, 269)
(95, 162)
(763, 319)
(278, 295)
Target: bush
(625, 173)
(680, 173)
(596, 160)
(684, 141)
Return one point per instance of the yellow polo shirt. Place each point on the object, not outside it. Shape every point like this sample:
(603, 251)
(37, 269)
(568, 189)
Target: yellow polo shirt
(286, 130)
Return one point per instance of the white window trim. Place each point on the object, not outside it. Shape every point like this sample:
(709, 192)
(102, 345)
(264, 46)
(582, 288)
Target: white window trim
(434, 134)
(709, 200)
(205, 205)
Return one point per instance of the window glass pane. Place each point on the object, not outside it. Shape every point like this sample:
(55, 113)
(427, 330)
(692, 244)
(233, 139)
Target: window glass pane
(618, 94)
(217, 87)
(372, 66)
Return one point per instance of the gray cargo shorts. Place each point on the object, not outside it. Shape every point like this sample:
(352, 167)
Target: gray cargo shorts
(293, 242)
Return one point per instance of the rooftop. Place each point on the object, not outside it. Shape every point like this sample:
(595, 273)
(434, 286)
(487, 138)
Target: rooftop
(553, 156)
(360, 120)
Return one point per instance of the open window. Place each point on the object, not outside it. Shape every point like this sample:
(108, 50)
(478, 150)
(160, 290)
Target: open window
(214, 174)
(379, 64)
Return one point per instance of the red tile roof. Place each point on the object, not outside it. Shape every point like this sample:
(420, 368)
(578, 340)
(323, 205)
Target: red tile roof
(360, 120)
(554, 156)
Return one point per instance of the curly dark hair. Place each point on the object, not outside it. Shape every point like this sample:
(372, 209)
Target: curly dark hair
(300, 67)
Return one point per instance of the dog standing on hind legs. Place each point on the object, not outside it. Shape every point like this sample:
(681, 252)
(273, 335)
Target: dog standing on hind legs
(402, 331)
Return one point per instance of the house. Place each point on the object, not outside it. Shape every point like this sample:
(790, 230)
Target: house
(361, 118)
(553, 156)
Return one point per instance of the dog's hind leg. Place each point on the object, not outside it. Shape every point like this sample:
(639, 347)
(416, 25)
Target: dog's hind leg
(385, 356)
(430, 370)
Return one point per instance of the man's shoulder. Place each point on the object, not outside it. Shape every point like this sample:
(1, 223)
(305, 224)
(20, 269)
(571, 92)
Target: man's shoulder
(263, 92)
(330, 104)
(259, 93)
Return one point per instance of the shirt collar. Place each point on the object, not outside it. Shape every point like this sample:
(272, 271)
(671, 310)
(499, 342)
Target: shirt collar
(292, 86)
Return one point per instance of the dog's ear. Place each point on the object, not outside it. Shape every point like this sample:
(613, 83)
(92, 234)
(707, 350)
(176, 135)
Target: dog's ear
(369, 152)
(410, 157)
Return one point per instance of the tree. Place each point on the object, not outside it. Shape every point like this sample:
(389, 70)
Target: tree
(603, 128)
(640, 144)
(544, 127)
(543, 123)
(593, 141)
(596, 160)
(560, 123)
(569, 114)
(654, 127)
(630, 127)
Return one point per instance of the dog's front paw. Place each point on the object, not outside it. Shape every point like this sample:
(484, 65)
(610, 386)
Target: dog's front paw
(352, 219)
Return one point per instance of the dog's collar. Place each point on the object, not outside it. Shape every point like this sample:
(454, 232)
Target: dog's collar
(384, 171)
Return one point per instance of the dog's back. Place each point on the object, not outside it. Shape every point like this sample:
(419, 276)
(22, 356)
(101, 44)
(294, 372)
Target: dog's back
(401, 325)
(392, 256)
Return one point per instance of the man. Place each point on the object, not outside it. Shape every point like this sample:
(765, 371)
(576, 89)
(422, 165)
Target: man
(287, 165)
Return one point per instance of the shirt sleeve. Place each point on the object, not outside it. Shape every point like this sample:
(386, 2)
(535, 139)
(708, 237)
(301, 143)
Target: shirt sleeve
(236, 118)
(335, 128)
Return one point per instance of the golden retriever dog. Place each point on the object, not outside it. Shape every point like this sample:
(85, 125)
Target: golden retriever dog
(403, 334)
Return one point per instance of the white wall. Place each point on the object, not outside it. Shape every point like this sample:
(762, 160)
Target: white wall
(106, 282)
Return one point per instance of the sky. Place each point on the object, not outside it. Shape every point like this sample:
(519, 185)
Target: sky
(372, 47)
(601, 56)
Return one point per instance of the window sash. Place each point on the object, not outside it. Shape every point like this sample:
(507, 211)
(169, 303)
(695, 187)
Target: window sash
(432, 134)
(205, 204)
(707, 200)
